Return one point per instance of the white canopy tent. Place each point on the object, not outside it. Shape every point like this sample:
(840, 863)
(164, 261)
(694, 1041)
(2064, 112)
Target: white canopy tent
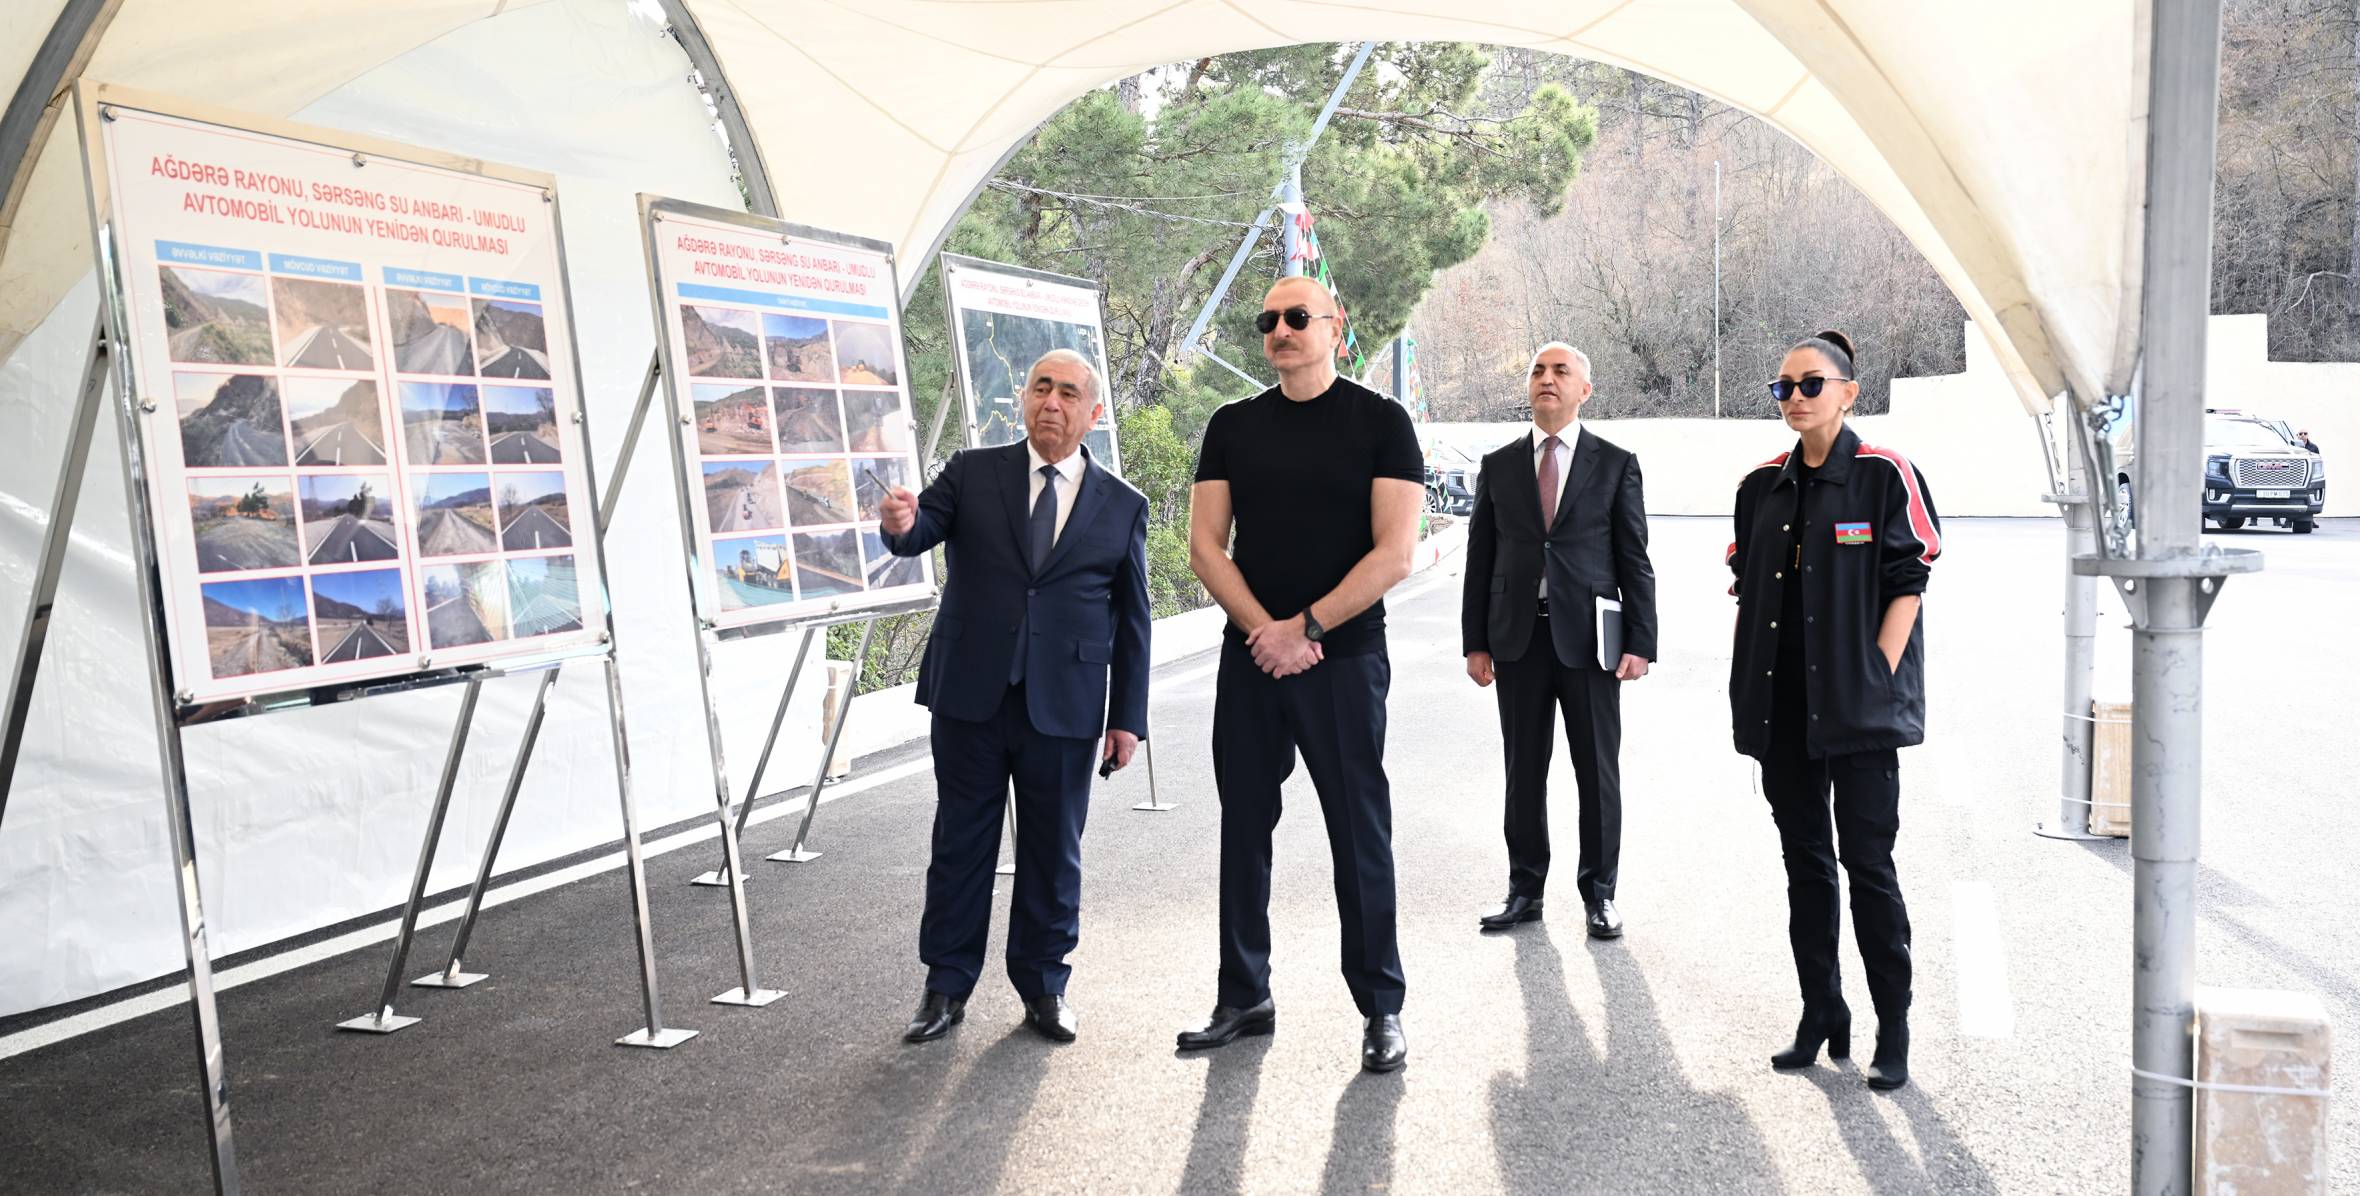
(2006, 139)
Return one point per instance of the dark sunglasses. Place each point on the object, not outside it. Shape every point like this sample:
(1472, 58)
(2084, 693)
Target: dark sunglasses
(1782, 390)
(1297, 318)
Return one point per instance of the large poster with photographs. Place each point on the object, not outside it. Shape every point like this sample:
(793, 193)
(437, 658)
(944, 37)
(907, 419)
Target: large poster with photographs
(1003, 319)
(359, 405)
(782, 357)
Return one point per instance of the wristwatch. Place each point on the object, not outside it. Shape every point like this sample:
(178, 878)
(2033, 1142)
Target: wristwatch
(1311, 629)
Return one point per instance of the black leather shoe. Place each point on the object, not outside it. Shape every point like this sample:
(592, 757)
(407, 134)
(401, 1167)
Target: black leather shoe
(1829, 1024)
(1050, 1015)
(1890, 1068)
(1603, 921)
(1228, 1024)
(936, 1014)
(1382, 1046)
(1518, 909)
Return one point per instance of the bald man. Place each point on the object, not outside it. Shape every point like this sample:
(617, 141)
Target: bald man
(1321, 480)
(1560, 525)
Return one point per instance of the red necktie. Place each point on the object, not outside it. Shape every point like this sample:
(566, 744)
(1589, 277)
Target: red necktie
(1548, 482)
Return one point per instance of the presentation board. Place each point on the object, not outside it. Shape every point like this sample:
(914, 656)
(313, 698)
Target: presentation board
(1002, 319)
(359, 421)
(782, 361)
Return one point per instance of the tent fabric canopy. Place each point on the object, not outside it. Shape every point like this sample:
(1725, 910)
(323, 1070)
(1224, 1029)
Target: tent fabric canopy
(2020, 178)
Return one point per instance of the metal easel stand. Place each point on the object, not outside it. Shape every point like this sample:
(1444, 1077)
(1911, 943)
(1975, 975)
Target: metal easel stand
(799, 854)
(1154, 804)
(103, 366)
(385, 1020)
(454, 975)
(719, 877)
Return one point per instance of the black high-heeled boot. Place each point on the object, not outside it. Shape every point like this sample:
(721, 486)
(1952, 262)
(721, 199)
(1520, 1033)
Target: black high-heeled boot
(1890, 1068)
(1830, 1024)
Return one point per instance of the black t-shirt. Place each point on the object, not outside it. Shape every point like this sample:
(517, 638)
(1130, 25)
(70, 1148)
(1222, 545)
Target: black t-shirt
(1299, 478)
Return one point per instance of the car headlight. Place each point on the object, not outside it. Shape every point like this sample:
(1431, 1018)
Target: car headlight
(2217, 467)
(2318, 468)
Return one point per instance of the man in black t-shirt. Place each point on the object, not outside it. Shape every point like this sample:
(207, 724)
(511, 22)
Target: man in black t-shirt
(1321, 479)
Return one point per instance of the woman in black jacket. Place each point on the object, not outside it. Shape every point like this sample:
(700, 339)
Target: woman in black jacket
(1835, 540)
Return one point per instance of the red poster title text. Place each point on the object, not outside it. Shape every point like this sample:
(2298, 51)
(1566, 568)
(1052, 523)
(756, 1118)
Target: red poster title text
(257, 197)
(779, 266)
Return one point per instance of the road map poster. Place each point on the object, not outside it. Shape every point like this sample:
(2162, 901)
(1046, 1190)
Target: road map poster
(782, 356)
(1006, 317)
(359, 403)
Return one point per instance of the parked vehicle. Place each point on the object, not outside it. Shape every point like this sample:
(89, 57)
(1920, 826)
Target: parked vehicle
(2252, 471)
(1450, 480)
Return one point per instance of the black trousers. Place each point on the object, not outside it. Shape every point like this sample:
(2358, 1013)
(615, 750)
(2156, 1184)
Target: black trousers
(1334, 715)
(1847, 808)
(974, 764)
(1531, 692)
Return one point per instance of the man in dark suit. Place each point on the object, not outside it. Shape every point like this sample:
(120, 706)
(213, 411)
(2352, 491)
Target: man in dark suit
(1046, 594)
(1559, 524)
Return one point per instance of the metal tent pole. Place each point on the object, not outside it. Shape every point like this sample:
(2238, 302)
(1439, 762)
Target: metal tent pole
(2076, 733)
(2170, 586)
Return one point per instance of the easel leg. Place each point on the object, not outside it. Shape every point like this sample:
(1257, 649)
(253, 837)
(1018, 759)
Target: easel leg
(720, 876)
(653, 1034)
(212, 1061)
(452, 976)
(819, 778)
(51, 563)
(1153, 804)
(747, 992)
(385, 1020)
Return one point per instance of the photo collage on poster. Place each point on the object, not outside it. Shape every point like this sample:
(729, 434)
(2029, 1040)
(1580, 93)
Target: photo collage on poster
(334, 522)
(800, 431)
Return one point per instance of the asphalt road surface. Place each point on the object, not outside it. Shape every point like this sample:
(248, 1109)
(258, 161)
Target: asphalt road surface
(742, 509)
(517, 363)
(535, 528)
(240, 543)
(351, 538)
(344, 444)
(522, 448)
(1541, 1063)
(325, 348)
(244, 444)
(445, 442)
(454, 624)
(448, 533)
(361, 643)
(237, 651)
(443, 350)
(544, 615)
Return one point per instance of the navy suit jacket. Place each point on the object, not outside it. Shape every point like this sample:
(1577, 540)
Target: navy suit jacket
(1083, 615)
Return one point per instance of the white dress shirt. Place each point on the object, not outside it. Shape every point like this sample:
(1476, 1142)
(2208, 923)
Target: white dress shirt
(1069, 484)
(1564, 454)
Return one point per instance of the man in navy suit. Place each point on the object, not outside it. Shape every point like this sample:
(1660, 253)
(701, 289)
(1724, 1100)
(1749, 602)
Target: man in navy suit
(1046, 561)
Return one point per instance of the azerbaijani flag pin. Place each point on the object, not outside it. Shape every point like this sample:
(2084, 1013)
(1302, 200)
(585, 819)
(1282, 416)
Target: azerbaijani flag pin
(1854, 533)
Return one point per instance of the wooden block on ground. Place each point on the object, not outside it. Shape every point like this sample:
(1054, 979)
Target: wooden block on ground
(2261, 1144)
(2110, 769)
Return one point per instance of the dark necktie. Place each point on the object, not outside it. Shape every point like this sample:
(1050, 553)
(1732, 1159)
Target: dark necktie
(1041, 533)
(1548, 482)
(1044, 518)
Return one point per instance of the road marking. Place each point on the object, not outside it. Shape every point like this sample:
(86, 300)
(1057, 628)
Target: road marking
(1980, 954)
(118, 1012)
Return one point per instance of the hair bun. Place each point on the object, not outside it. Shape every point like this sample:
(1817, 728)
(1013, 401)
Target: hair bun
(1839, 340)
